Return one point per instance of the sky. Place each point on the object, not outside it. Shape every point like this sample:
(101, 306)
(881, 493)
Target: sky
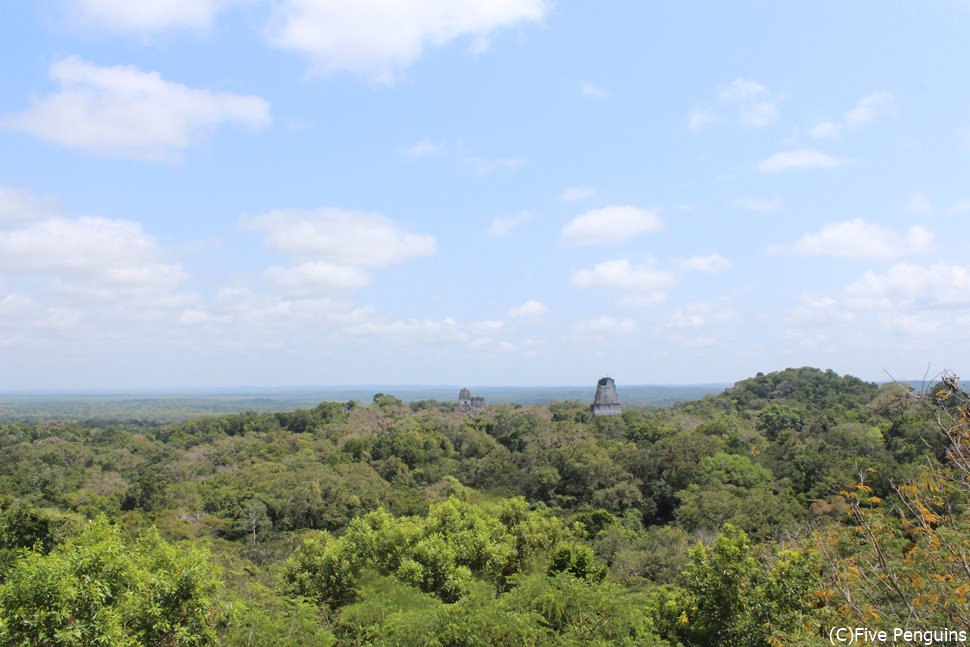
(215, 193)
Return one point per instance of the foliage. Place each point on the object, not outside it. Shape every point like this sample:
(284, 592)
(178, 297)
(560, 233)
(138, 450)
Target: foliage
(809, 498)
(439, 554)
(729, 598)
(99, 588)
(906, 559)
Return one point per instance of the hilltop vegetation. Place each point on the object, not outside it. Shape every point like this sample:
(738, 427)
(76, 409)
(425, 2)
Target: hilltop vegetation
(762, 515)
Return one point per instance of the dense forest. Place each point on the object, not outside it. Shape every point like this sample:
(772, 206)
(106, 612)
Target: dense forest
(791, 503)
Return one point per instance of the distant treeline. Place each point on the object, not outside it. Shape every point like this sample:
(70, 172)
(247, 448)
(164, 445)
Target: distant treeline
(176, 406)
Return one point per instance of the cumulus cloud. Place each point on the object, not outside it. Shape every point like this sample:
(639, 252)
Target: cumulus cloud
(867, 109)
(610, 225)
(124, 112)
(24, 321)
(242, 319)
(531, 309)
(912, 287)
(711, 264)
(334, 245)
(801, 158)
(94, 258)
(623, 275)
(340, 237)
(909, 301)
(380, 38)
(145, 16)
(862, 240)
(505, 225)
(753, 101)
(19, 206)
(314, 277)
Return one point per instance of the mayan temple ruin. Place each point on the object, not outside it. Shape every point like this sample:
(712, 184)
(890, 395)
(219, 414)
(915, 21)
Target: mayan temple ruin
(470, 404)
(606, 403)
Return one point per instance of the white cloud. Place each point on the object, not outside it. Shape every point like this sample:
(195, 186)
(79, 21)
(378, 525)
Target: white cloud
(700, 315)
(593, 91)
(918, 203)
(423, 148)
(921, 203)
(699, 119)
(825, 130)
(801, 158)
(711, 264)
(489, 327)
(334, 245)
(610, 225)
(194, 318)
(380, 38)
(123, 112)
(407, 328)
(145, 16)
(340, 237)
(485, 165)
(576, 193)
(861, 240)
(910, 302)
(91, 258)
(315, 277)
(820, 311)
(621, 274)
(753, 204)
(504, 225)
(754, 103)
(868, 108)
(912, 287)
(959, 207)
(531, 309)
(24, 321)
(606, 326)
(240, 319)
(474, 336)
(20, 206)
(646, 300)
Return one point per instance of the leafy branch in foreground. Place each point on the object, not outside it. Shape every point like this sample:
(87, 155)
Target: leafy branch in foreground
(906, 560)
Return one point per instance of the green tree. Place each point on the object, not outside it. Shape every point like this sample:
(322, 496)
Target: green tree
(99, 588)
(729, 598)
(253, 521)
(775, 418)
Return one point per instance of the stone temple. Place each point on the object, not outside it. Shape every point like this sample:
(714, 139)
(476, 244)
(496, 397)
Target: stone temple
(606, 403)
(470, 404)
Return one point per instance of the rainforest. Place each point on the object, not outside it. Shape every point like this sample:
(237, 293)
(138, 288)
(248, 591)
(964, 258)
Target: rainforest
(786, 506)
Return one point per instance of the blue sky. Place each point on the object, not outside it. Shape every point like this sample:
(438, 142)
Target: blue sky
(485, 192)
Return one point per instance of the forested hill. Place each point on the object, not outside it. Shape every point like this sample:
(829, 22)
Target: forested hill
(786, 504)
